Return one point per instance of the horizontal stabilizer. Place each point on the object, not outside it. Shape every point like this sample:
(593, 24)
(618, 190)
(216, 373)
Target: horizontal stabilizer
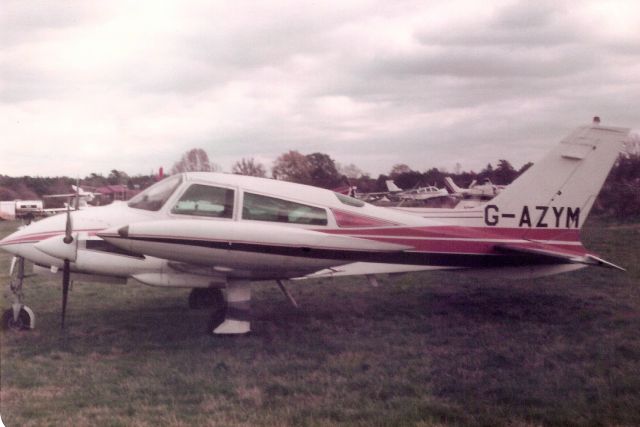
(560, 257)
(603, 263)
(366, 268)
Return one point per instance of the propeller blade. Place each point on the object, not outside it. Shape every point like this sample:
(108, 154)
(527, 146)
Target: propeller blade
(68, 238)
(66, 271)
(65, 289)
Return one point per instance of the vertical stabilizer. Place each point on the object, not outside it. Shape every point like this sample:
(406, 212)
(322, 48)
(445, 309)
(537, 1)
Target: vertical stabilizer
(392, 187)
(448, 182)
(558, 191)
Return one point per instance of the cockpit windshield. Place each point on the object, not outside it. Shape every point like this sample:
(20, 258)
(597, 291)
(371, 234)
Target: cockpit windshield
(155, 196)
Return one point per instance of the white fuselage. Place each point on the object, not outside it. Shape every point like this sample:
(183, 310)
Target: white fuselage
(42, 241)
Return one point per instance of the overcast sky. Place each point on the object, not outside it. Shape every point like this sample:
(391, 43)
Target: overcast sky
(92, 86)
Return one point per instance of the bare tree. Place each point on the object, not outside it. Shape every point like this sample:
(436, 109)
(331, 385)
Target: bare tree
(632, 145)
(194, 160)
(249, 167)
(117, 177)
(399, 169)
(292, 166)
(350, 171)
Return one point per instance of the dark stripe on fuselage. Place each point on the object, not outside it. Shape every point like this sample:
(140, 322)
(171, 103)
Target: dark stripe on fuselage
(106, 247)
(407, 258)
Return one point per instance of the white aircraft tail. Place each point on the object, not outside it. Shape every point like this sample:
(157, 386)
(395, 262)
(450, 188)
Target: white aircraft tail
(448, 182)
(392, 187)
(558, 191)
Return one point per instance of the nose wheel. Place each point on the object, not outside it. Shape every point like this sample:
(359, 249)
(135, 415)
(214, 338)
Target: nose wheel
(24, 321)
(19, 317)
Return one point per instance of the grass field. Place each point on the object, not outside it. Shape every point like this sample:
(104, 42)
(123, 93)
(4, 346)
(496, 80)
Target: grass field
(422, 349)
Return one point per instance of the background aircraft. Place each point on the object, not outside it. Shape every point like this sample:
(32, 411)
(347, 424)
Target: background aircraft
(396, 193)
(420, 193)
(485, 191)
(211, 231)
(79, 199)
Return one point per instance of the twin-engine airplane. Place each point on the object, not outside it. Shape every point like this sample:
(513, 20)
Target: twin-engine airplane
(210, 231)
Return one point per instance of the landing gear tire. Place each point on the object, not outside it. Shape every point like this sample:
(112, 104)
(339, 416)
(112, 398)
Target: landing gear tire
(24, 322)
(217, 317)
(206, 298)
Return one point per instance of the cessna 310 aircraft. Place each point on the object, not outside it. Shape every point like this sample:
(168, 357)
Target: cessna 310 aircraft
(211, 231)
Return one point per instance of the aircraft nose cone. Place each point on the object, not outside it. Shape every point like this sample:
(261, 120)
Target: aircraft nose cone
(4, 245)
(11, 242)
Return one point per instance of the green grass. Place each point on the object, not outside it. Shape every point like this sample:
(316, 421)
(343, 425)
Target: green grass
(422, 349)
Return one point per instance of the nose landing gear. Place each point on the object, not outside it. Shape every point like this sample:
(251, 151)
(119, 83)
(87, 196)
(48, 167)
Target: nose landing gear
(19, 317)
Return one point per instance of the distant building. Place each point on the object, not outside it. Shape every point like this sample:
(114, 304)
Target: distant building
(8, 210)
(15, 209)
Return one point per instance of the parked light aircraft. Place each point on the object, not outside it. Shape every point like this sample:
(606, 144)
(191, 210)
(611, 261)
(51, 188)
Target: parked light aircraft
(485, 191)
(420, 193)
(209, 231)
(396, 193)
(79, 199)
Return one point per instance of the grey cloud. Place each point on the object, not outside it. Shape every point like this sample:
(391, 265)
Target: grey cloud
(242, 81)
(527, 14)
(519, 24)
(488, 62)
(22, 22)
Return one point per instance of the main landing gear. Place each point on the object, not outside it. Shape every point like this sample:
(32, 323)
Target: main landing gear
(19, 317)
(230, 316)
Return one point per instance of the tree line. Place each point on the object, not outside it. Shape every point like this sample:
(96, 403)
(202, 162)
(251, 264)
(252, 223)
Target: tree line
(620, 196)
(320, 170)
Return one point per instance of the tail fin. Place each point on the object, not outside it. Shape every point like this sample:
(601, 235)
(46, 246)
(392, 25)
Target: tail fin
(392, 187)
(448, 182)
(559, 190)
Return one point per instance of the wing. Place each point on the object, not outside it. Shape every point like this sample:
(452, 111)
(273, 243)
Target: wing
(51, 196)
(366, 268)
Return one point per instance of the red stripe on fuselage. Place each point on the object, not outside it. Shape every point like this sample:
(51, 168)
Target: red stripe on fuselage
(36, 237)
(465, 233)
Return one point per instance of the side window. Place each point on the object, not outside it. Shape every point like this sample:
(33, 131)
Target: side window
(263, 208)
(205, 200)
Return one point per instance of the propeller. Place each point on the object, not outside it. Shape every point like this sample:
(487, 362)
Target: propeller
(66, 270)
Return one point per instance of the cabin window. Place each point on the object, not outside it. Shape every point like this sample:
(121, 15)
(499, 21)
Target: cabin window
(155, 196)
(205, 200)
(264, 208)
